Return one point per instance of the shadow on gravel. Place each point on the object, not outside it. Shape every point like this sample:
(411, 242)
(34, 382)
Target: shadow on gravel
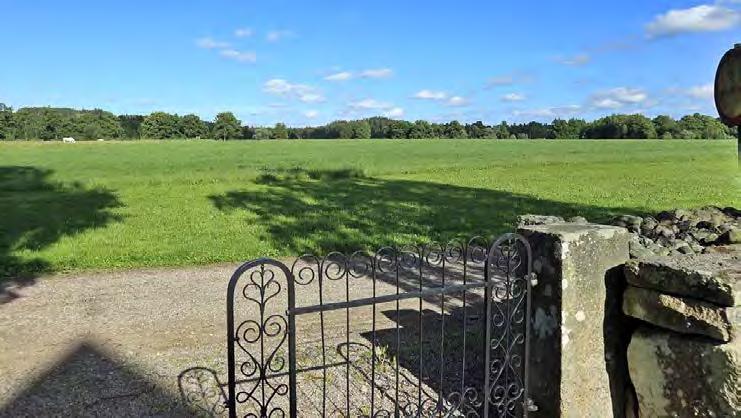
(446, 360)
(443, 351)
(35, 212)
(201, 390)
(311, 211)
(89, 381)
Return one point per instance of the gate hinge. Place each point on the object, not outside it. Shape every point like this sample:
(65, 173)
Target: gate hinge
(533, 279)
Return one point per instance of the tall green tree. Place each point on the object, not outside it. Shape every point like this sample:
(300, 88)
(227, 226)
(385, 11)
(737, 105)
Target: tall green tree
(226, 126)
(379, 126)
(248, 132)
(262, 133)
(699, 126)
(502, 130)
(131, 125)
(280, 131)
(454, 129)
(639, 127)
(569, 129)
(160, 125)
(421, 129)
(399, 129)
(191, 126)
(94, 124)
(7, 122)
(52, 124)
(666, 127)
(477, 130)
(361, 129)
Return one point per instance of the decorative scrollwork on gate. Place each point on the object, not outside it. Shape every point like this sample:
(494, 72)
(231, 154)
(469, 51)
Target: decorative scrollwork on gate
(441, 298)
(257, 342)
(509, 271)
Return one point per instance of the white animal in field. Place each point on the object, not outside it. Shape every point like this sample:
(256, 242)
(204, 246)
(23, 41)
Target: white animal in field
(101, 139)
(68, 139)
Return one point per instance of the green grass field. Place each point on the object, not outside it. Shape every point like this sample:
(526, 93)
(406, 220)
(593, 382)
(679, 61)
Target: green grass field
(130, 204)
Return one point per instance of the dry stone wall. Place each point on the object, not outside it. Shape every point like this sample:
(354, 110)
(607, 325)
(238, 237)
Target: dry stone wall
(684, 358)
(671, 312)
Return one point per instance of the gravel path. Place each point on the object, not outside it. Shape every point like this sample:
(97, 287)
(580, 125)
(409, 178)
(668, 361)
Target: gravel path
(110, 343)
(135, 343)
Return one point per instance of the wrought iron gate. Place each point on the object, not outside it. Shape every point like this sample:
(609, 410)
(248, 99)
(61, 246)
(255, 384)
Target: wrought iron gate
(470, 360)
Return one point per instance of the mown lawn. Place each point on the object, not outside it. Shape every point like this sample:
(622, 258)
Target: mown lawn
(146, 203)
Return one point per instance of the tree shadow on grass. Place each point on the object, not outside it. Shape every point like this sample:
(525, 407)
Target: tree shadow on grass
(35, 212)
(343, 210)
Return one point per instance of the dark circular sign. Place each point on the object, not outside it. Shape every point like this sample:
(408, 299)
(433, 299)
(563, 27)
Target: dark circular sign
(728, 87)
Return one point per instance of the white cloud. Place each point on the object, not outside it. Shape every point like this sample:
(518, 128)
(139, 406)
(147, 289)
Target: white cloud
(341, 76)
(702, 18)
(629, 95)
(618, 97)
(370, 104)
(513, 97)
(395, 112)
(278, 86)
(377, 73)
(440, 96)
(607, 103)
(549, 112)
(430, 95)
(311, 114)
(210, 43)
(311, 97)
(302, 92)
(243, 32)
(574, 60)
(457, 101)
(278, 35)
(241, 56)
(703, 92)
(536, 113)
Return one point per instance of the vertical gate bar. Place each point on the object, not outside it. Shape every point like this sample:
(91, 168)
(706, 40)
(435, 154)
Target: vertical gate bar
(527, 328)
(508, 323)
(347, 338)
(321, 330)
(419, 337)
(465, 322)
(291, 346)
(231, 400)
(442, 341)
(398, 346)
(373, 343)
(487, 332)
(263, 373)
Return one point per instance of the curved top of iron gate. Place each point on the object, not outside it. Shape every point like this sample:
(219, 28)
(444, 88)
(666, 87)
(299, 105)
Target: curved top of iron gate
(257, 369)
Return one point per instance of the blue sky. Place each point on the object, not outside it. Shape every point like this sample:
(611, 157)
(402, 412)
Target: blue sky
(313, 62)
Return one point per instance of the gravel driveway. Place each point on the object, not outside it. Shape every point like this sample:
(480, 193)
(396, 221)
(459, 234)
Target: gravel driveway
(139, 343)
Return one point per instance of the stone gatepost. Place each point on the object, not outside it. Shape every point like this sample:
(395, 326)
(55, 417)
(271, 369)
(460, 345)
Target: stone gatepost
(578, 339)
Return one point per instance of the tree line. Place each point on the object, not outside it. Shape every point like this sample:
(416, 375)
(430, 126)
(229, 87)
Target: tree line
(48, 123)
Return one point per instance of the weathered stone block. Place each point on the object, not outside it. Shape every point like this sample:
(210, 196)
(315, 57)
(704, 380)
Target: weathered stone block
(574, 354)
(530, 219)
(681, 376)
(685, 315)
(714, 278)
